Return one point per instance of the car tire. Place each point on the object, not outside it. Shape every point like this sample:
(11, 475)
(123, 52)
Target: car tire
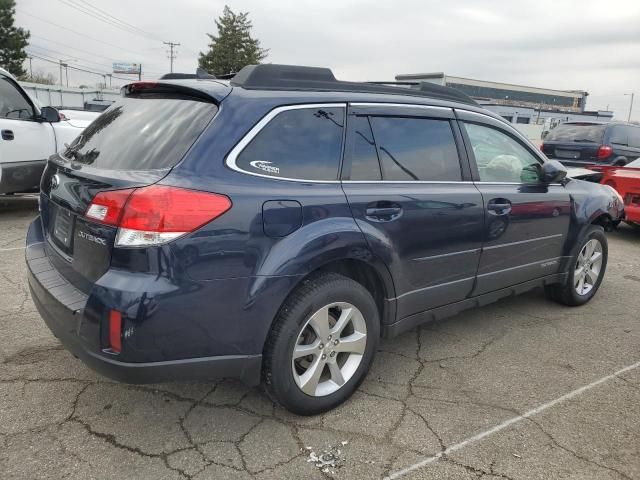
(586, 270)
(342, 311)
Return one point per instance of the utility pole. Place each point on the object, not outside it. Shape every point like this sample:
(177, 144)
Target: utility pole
(630, 106)
(109, 75)
(61, 64)
(172, 55)
(31, 68)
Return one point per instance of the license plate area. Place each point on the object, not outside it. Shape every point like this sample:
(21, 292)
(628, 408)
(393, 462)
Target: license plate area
(572, 154)
(62, 228)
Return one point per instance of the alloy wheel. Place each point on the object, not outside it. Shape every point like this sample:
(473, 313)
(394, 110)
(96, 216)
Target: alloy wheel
(329, 349)
(588, 267)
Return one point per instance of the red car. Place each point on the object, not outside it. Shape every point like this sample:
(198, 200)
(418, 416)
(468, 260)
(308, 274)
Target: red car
(626, 181)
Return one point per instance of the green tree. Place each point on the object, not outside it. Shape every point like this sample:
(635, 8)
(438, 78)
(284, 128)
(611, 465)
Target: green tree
(12, 40)
(233, 47)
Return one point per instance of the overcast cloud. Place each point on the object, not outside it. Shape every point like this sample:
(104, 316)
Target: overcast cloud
(573, 45)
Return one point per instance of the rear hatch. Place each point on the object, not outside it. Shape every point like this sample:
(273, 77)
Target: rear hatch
(574, 141)
(134, 143)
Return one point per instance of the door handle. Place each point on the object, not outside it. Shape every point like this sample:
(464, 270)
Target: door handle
(499, 206)
(7, 134)
(383, 214)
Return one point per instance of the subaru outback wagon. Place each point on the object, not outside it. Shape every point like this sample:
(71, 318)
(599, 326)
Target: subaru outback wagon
(274, 227)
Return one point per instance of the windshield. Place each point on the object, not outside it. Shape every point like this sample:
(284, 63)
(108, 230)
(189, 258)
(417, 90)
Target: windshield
(576, 132)
(142, 133)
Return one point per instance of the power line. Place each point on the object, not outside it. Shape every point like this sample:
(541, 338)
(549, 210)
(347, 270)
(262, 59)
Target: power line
(109, 20)
(67, 29)
(108, 15)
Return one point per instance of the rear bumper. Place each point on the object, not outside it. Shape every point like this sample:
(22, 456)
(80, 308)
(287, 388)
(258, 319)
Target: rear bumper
(19, 177)
(62, 308)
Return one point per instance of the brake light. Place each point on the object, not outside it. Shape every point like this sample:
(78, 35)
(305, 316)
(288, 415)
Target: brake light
(107, 207)
(604, 152)
(156, 214)
(542, 147)
(115, 331)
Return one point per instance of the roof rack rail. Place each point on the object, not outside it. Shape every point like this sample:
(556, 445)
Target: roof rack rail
(201, 73)
(295, 77)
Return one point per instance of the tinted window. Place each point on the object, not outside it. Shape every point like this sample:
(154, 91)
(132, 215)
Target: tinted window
(634, 137)
(416, 149)
(618, 134)
(361, 151)
(303, 143)
(142, 134)
(500, 158)
(12, 103)
(576, 132)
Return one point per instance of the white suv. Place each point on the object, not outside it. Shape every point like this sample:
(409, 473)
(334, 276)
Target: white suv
(29, 134)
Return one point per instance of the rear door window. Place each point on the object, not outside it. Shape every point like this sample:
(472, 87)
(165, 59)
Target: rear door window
(619, 135)
(142, 133)
(419, 149)
(634, 137)
(302, 143)
(361, 159)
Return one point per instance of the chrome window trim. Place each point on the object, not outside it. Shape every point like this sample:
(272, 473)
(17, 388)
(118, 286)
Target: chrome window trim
(399, 105)
(444, 182)
(232, 157)
(521, 184)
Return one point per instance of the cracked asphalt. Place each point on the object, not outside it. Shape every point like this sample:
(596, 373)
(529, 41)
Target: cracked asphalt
(429, 389)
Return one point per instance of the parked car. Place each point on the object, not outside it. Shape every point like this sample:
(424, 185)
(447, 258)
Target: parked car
(583, 143)
(340, 212)
(30, 133)
(626, 181)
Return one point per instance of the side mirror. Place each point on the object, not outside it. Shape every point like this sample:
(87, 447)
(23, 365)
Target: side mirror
(49, 114)
(553, 172)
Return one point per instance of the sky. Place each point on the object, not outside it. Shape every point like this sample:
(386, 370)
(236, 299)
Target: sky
(560, 44)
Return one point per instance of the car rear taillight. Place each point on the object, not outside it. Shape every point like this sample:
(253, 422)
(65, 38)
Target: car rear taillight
(155, 214)
(542, 147)
(604, 152)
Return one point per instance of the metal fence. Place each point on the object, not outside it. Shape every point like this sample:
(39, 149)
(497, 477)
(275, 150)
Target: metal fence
(57, 96)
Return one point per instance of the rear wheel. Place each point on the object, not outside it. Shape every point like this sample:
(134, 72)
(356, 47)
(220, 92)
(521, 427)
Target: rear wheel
(588, 266)
(321, 345)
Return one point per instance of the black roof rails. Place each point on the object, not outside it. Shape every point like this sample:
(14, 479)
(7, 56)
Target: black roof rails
(200, 73)
(295, 77)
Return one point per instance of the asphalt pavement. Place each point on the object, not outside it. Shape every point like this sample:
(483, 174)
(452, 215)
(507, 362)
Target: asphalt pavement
(521, 389)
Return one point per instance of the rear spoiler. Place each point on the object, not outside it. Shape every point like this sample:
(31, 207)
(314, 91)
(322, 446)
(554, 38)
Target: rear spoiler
(170, 89)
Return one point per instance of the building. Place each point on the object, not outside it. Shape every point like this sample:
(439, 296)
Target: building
(519, 104)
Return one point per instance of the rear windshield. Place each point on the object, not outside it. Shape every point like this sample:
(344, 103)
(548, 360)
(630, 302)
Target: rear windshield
(576, 132)
(142, 133)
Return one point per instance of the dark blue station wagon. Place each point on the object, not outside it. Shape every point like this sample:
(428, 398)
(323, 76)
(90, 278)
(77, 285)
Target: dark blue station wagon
(274, 227)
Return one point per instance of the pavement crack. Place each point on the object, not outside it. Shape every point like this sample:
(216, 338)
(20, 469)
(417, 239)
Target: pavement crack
(575, 454)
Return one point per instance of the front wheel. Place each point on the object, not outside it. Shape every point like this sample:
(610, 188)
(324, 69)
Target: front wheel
(587, 268)
(321, 345)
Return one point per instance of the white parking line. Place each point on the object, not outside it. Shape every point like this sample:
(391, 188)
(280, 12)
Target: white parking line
(12, 248)
(508, 423)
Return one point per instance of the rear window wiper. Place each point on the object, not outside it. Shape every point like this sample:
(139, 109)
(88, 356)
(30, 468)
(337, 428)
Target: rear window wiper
(584, 140)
